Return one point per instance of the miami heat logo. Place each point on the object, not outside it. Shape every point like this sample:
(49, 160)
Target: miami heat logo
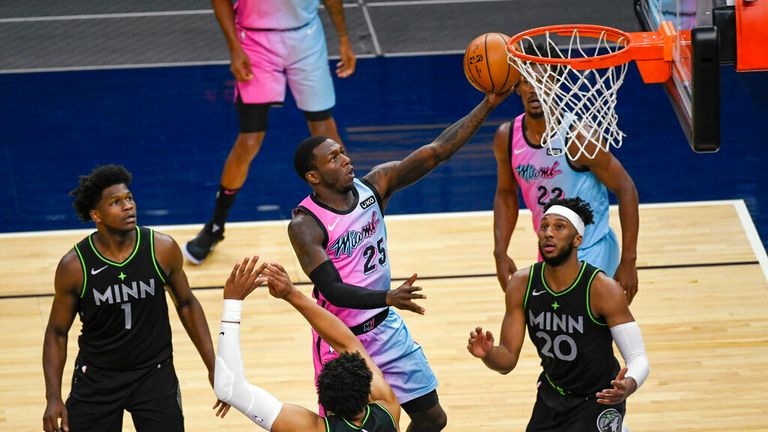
(346, 243)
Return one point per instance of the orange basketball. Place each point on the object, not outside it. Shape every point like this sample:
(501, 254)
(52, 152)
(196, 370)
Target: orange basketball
(486, 65)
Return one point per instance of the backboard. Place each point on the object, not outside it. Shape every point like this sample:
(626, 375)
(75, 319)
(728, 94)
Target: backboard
(709, 33)
(694, 86)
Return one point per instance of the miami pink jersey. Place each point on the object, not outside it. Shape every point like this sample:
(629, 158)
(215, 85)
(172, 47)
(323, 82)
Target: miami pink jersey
(356, 243)
(546, 173)
(275, 14)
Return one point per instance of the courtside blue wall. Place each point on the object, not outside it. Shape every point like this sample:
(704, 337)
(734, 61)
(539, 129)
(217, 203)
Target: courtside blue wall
(173, 127)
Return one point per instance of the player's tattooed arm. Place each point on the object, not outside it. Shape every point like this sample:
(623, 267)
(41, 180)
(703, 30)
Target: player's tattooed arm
(392, 176)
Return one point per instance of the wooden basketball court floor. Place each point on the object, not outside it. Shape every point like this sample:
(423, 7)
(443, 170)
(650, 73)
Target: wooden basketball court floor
(702, 306)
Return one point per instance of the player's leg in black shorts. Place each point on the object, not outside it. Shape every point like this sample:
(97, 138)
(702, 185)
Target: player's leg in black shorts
(155, 402)
(95, 402)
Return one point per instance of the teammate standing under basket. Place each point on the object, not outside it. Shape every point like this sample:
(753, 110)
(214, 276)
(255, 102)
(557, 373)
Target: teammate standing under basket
(546, 172)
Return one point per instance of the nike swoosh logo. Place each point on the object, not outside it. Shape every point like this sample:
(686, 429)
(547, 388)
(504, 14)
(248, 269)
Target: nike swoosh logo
(331, 227)
(517, 151)
(535, 292)
(95, 272)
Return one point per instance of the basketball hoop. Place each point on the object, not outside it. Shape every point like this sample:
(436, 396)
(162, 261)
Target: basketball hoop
(576, 71)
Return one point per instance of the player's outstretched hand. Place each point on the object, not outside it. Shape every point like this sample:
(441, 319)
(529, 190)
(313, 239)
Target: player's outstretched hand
(279, 283)
(55, 410)
(497, 98)
(403, 296)
(480, 342)
(626, 276)
(244, 278)
(622, 388)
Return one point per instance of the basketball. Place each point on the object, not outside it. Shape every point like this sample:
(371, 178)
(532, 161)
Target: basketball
(486, 66)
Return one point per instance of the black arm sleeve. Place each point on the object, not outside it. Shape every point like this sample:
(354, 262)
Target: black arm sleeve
(328, 281)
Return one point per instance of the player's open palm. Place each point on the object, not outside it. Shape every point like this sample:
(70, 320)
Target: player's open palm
(244, 278)
(622, 388)
(403, 296)
(480, 342)
(55, 410)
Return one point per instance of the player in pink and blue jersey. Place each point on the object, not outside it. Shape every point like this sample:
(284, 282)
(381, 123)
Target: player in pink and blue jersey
(543, 173)
(272, 43)
(339, 236)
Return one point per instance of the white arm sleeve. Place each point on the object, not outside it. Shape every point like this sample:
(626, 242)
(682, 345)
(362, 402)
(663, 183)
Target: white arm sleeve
(630, 342)
(229, 382)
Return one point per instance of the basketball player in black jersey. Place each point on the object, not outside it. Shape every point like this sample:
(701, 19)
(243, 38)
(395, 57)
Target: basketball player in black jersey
(115, 280)
(351, 387)
(573, 313)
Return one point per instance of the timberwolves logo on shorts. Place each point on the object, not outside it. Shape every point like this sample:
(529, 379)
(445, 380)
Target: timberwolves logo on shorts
(609, 421)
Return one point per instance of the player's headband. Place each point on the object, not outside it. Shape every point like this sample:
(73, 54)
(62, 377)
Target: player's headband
(568, 214)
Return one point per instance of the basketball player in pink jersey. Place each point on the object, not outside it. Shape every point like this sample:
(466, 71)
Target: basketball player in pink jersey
(340, 239)
(544, 173)
(271, 43)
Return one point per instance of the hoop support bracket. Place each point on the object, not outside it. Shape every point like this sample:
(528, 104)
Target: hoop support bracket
(652, 52)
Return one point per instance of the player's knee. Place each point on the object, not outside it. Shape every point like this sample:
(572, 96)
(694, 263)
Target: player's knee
(426, 413)
(247, 146)
(432, 420)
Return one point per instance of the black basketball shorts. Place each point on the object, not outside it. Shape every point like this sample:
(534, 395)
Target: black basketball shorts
(100, 396)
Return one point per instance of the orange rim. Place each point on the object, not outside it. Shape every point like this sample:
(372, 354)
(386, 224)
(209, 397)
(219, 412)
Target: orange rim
(621, 56)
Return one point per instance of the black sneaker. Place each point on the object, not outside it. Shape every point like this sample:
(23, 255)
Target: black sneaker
(197, 249)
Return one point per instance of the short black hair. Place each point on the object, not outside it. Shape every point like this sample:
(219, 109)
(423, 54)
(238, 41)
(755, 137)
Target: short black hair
(578, 205)
(344, 385)
(544, 49)
(304, 158)
(88, 193)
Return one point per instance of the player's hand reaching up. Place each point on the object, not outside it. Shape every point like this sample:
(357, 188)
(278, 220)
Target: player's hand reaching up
(497, 98)
(279, 283)
(622, 388)
(244, 278)
(403, 296)
(480, 342)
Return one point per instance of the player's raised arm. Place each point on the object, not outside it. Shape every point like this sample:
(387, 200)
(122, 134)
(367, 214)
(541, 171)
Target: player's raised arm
(231, 385)
(392, 176)
(332, 330)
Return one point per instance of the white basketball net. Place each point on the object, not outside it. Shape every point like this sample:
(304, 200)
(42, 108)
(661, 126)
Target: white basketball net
(585, 100)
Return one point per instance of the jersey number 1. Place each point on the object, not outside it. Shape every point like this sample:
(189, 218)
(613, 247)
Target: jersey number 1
(126, 307)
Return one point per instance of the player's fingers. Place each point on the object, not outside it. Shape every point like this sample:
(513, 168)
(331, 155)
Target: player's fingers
(64, 420)
(411, 279)
(622, 374)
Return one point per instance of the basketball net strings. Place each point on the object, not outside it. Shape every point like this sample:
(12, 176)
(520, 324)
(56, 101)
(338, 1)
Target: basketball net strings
(584, 100)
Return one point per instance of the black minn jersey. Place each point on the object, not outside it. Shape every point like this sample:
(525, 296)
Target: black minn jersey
(122, 307)
(376, 419)
(576, 348)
